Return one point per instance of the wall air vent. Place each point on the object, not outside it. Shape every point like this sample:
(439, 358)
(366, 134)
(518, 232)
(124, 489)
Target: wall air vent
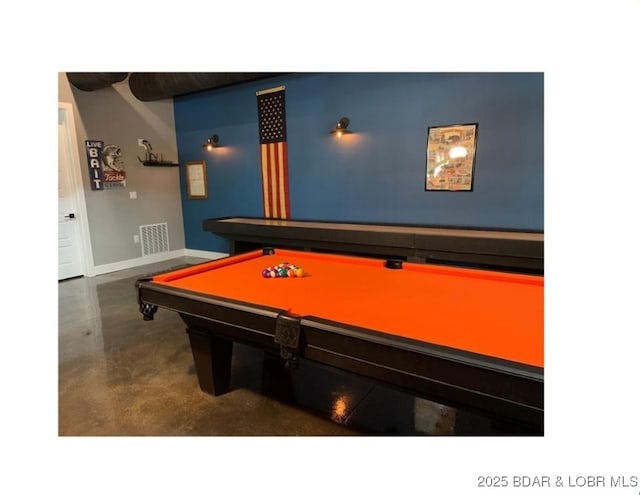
(154, 238)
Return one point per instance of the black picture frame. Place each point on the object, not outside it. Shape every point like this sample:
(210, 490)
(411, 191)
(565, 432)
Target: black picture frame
(451, 157)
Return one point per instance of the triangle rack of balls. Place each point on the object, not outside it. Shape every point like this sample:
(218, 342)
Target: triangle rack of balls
(285, 269)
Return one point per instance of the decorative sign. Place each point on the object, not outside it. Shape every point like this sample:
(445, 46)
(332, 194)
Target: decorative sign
(94, 158)
(114, 175)
(106, 170)
(451, 155)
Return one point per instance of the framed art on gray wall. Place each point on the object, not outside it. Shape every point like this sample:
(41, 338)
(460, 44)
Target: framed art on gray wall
(451, 156)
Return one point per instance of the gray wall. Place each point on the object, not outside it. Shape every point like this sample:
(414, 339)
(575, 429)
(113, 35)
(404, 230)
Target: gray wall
(115, 116)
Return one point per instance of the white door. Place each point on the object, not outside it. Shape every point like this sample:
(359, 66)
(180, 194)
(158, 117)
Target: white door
(70, 262)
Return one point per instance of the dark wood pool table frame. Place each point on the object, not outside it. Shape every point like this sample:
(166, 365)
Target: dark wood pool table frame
(498, 388)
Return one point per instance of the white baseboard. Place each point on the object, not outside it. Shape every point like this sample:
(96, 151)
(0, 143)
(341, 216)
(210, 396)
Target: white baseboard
(154, 258)
(210, 255)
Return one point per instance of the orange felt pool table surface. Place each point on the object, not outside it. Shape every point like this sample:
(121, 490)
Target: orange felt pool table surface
(485, 319)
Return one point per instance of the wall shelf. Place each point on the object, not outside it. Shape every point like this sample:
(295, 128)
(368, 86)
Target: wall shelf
(155, 163)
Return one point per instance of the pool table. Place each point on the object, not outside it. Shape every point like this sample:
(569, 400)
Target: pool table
(464, 337)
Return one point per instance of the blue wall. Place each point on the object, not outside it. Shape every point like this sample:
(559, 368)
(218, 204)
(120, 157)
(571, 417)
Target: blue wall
(376, 174)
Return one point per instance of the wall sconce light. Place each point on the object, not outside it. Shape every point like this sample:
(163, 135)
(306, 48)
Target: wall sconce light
(211, 142)
(341, 128)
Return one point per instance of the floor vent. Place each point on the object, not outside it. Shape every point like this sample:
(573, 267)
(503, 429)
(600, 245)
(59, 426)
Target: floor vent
(154, 238)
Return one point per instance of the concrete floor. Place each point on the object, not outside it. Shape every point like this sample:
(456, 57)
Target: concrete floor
(122, 376)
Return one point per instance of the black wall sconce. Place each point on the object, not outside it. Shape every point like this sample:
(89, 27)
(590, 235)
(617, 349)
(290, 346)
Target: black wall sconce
(211, 142)
(341, 127)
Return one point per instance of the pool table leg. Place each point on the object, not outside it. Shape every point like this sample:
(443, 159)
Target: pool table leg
(212, 358)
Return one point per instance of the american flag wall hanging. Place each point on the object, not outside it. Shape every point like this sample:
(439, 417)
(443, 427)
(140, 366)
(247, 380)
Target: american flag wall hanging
(273, 153)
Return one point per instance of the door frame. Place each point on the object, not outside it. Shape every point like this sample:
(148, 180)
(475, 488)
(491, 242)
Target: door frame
(75, 174)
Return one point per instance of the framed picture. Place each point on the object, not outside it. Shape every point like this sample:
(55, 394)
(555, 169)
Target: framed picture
(451, 156)
(196, 173)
